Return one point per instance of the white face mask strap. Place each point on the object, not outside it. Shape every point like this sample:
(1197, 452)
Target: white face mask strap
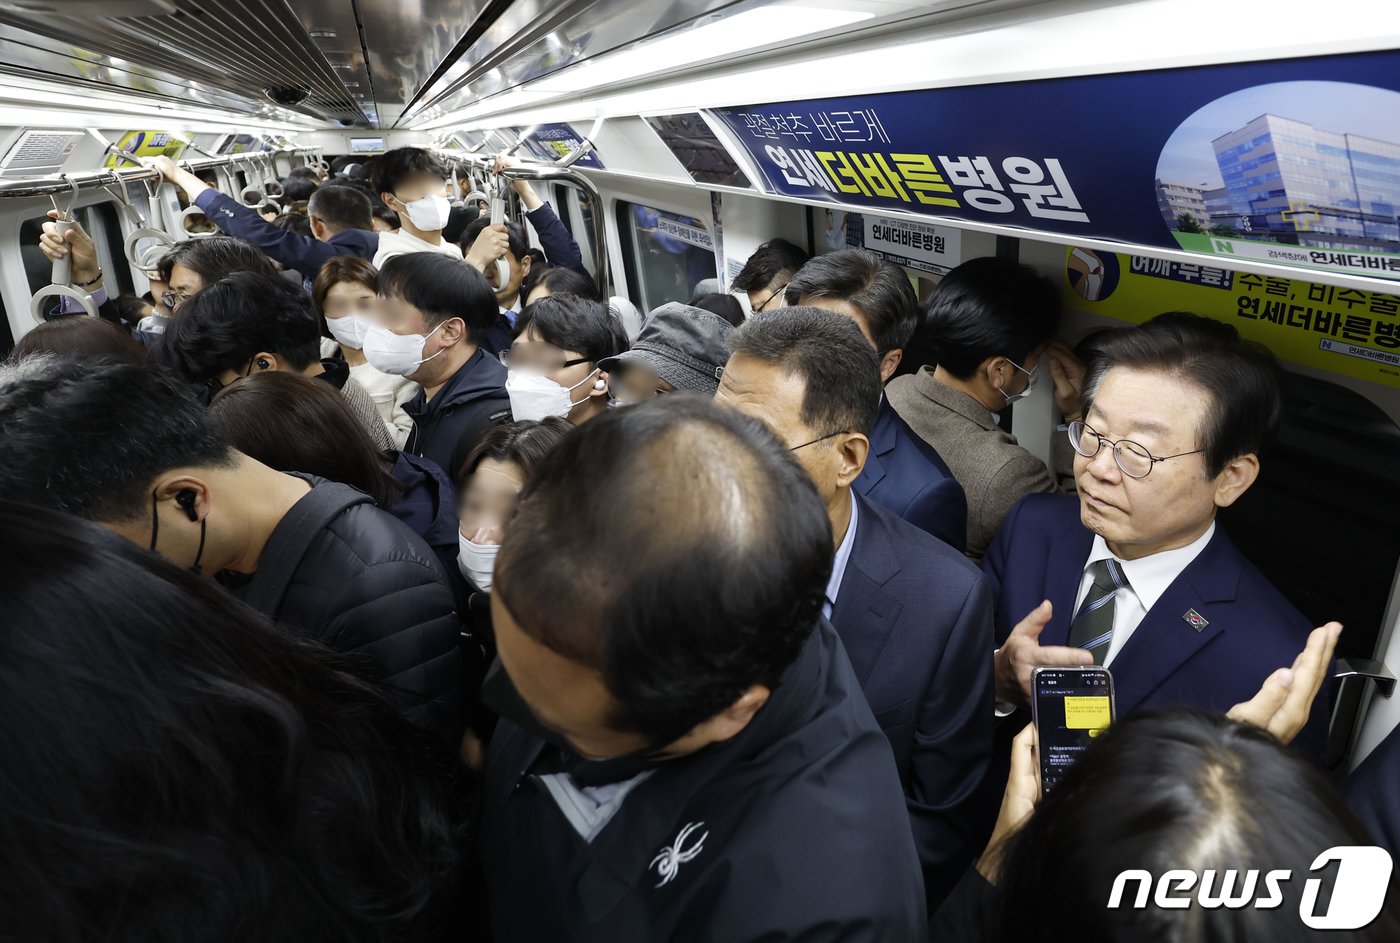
(572, 404)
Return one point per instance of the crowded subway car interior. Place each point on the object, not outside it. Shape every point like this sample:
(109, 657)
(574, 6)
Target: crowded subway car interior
(699, 470)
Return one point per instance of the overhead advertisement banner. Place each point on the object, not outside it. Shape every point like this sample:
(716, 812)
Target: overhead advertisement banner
(146, 144)
(1341, 330)
(921, 246)
(553, 141)
(1294, 161)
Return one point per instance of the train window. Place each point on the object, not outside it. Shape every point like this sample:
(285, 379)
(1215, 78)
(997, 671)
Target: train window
(669, 254)
(576, 212)
(104, 225)
(1332, 468)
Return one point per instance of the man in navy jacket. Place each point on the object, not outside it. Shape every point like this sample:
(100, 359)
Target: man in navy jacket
(903, 473)
(1135, 573)
(915, 616)
(683, 753)
(340, 221)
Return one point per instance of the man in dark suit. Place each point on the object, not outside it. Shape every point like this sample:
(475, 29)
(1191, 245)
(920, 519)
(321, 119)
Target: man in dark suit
(1135, 573)
(910, 610)
(1373, 792)
(903, 473)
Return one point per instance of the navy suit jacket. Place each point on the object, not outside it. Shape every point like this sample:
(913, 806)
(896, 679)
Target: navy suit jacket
(1373, 792)
(1251, 630)
(304, 254)
(904, 474)
(916, 619)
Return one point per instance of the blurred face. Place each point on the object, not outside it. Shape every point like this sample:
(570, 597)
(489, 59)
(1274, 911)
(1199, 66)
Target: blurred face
(639, 383)
(488, 503)
(531, 353)
(765, 392)
(1175, 502)
(404, 319)
(415, 187)
(348, 298)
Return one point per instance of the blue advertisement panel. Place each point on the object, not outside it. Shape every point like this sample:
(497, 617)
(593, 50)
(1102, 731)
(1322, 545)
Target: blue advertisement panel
(1293, 161)
(553, 141)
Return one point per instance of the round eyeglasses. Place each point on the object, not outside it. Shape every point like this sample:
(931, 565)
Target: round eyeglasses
(1132, 459)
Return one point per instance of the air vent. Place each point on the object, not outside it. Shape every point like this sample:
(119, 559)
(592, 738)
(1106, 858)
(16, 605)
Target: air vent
(39, 152)
(102, 9)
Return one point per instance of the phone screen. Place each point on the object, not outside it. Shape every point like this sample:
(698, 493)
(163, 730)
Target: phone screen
(1071, 706)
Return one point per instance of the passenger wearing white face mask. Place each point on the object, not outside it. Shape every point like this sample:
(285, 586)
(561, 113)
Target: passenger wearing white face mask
(988, 337)
(413, 183)
(432, 313)
(345, 297)
(553, 361)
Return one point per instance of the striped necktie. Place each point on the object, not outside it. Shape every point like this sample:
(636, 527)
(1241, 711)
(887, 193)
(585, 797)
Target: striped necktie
(1092, 627)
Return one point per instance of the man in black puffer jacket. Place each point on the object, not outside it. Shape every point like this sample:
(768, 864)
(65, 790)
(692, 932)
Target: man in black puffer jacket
(129, 448)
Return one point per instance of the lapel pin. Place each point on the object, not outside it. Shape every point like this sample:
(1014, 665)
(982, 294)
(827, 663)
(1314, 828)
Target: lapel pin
(1195, 619)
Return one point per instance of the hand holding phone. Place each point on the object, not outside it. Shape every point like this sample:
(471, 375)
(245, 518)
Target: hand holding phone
(1070, 707)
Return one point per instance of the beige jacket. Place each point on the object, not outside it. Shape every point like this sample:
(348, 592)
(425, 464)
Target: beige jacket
(994, 470)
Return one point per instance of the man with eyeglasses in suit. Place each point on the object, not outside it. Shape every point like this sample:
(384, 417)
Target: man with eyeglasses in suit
(1135, 573)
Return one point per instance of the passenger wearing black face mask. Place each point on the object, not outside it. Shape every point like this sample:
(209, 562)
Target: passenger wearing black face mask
(678, 761)
(126, 446)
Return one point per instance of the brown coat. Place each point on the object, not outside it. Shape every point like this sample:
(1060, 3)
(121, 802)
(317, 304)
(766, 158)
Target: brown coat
(994, 470)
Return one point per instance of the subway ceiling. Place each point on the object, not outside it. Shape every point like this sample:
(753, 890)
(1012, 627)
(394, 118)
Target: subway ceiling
(347, 63)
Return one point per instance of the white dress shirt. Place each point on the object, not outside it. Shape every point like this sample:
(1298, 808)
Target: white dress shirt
(1148, 578)
(843, 556)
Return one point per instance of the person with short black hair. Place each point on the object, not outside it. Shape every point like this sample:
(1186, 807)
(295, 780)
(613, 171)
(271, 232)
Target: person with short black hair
(675, 713)
(1136, 573)
(412, 182)
(339, 218)
(903, 473)
(726, 306)
(914, 615)
(541, 283)
(483, 244)
(765, 275)
(384, 219)
(246, 323)
(296, 189)
(990, 327)
(180, 768)
(82, 338)
(195, 264)
(435, 325)
(128, 447)
(295, 223)
(559, 341)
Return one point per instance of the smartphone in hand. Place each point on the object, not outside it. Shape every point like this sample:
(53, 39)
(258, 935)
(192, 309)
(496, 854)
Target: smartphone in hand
(1070, 707)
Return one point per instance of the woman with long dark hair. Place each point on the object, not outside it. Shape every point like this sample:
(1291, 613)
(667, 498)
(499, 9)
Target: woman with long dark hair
(178, 769)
